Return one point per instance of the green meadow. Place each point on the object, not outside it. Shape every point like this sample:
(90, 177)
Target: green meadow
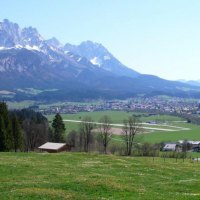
(164, 136)
(80, 176)
(151, 136)
(117, 116)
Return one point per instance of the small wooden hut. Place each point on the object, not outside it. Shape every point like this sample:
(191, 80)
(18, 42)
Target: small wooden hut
(52, 147)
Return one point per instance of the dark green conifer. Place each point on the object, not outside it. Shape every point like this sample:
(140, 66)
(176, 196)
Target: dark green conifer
(58, 128)
(2, 134)
(8, 137)
(17, 134)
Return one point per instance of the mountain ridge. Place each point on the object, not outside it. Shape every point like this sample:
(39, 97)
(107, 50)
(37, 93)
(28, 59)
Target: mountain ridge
(101, 57)
(87, 70)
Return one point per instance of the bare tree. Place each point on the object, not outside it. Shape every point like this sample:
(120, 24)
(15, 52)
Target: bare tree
(72, 139)
(132, 126)
(86, 128)
(105, 131)
(35, 134)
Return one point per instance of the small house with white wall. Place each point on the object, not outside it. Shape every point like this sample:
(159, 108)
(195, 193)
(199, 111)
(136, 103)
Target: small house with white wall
(170, 147)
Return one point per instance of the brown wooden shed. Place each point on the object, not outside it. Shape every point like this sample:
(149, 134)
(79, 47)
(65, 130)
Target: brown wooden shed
(52, 147)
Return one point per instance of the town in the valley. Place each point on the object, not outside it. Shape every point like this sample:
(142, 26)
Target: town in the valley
(189, 109)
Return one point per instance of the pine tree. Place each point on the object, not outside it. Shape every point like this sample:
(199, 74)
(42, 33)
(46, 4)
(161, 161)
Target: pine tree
(58, 129)
(2, 134)
(8, 137)
(17, 134)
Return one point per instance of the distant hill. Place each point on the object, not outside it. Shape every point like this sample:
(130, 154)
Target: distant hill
(191, 82)
(74, 72)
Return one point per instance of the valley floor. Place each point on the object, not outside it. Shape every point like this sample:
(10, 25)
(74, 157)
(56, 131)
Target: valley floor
(93, 176)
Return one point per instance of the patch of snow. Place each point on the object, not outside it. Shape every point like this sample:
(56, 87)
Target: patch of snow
(106, 57)
(50, 57)
(2, 48)
(52, 48)
(32, 47)
(79, 59)
(66, 52)
(2, 69)
(6, 92)
(18, 46)
(96, 61)
(40, 37)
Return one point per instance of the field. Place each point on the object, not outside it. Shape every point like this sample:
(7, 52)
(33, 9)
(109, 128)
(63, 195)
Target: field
(184, 131)
(89, 176)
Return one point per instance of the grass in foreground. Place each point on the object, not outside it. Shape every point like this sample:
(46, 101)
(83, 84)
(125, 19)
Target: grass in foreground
(90, 176)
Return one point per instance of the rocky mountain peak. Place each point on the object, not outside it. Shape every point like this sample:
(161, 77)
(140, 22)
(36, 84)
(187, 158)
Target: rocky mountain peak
(30, 36)
(99, 56)
(54, 42)
(9, 33)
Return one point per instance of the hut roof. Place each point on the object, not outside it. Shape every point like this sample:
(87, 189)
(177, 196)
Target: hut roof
(52, 146)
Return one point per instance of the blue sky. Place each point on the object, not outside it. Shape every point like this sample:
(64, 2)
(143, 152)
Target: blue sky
(160, 37)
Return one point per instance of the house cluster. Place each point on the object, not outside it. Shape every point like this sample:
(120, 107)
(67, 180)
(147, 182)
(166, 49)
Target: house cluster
(181, 145)
(155, 104)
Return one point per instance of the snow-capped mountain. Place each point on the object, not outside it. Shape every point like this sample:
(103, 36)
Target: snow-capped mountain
(54, 43)
(27, 59)
(11, 35)
(99, 56)
(87, 53)
(87, 70)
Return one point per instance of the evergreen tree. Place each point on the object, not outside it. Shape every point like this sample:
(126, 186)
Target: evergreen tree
(17, 134)
(8, 137)
(2, 134)
(58, 128)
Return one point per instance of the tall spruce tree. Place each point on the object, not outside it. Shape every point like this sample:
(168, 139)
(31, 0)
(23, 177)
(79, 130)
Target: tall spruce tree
(17, 134)
(2, 134)
(8, 137)
(58, 129)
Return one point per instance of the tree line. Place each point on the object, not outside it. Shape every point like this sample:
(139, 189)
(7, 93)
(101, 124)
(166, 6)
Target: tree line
(25, 130)
(21, 130)
(91, 135)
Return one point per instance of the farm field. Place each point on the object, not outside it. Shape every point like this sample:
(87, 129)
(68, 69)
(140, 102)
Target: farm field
(116, 116)
(157, 132)
(43, 105)
(92, 176)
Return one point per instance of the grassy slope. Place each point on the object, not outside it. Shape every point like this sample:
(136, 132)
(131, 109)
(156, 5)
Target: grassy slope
(88, 176)
(82, 176)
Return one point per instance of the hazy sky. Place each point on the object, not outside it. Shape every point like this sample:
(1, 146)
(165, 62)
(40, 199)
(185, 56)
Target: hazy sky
(160, 37)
